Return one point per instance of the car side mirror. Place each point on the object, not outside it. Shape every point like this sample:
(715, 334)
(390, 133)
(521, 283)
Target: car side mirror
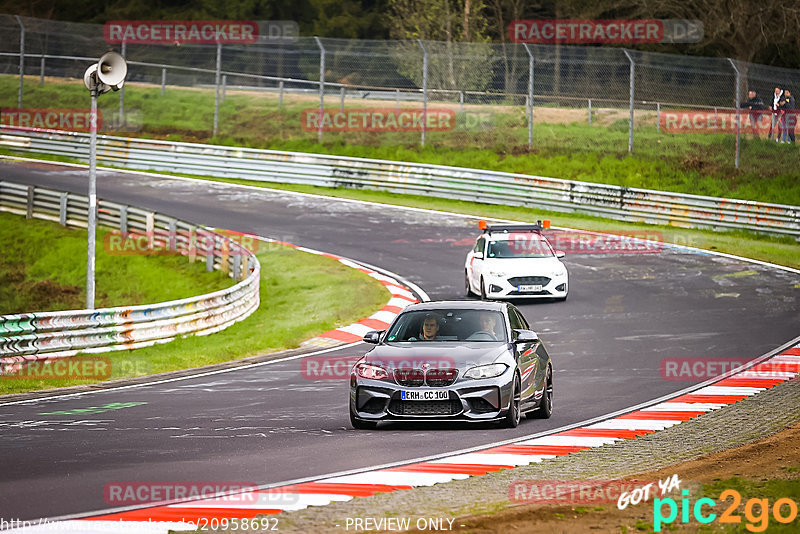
(526, 336)
(560, 253)
(373, 336)
(478, 256)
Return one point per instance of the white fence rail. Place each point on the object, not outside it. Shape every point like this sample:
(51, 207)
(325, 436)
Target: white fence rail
(630, 204)
(31, 336)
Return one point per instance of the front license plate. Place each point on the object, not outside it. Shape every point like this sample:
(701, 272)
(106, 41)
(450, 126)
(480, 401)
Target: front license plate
(429, 395)
(530, 288)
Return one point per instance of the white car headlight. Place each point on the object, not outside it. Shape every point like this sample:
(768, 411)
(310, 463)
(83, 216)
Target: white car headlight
(486, 371)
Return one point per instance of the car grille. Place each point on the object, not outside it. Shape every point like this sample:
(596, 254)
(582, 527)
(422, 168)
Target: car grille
(450, 407)
(529, 281)
(409, 377)
(440, 377)
(433, 377)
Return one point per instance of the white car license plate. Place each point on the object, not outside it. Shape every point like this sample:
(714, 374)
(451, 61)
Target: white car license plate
(428, 395)
(530, 288)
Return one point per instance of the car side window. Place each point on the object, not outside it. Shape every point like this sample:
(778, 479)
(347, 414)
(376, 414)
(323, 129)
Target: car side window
(479, 245)
(513, 320)
(520, 320)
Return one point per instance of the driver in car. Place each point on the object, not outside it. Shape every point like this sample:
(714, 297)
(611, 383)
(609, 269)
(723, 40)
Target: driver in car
(430, 328)
(488, 322)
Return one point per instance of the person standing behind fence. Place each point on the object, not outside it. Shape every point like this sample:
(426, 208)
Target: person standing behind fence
(790, 116)
(756, 106)
(776, 107)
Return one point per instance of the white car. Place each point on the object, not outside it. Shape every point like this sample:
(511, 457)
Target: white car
(515, 261)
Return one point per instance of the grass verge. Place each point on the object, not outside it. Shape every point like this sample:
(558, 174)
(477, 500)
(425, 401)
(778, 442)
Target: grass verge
(564, 145)
(301, 295)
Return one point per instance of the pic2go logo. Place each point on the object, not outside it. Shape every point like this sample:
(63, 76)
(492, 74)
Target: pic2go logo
(756, 511)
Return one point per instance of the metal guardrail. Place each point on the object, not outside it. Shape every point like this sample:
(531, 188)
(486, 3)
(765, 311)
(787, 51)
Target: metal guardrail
(31, 336)
(630, 204)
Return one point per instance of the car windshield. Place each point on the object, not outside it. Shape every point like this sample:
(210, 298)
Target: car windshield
(520, 246)
(449, 325)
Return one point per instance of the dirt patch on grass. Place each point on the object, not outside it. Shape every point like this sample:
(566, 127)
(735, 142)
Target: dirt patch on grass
(773, 458)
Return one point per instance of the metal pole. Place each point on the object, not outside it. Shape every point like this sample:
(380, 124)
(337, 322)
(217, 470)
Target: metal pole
(122, 93)
(321, 86)
(341, 104)
(224, 86)
(424, 89)
(590, 112)
(21, 58)
(530, 96)
(163, 80)
(41, 71)
(461, 102)
(630, 121)
(92, 216)
(216, 89)
(280, 94)
(397, 100)
(738, 112)
(658, 116)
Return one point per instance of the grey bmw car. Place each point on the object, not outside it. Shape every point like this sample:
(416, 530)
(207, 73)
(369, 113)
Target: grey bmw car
(453, 361)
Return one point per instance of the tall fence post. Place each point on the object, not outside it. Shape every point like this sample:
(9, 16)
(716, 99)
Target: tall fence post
(321, 87)
(341, 97)
(658, 116)
(163, 80)
(122, 90)
(738, 112)
(21, 58)
(529, 111)
(216, 88)
(590, 111)
(424, 89)
(633, 86)
(41, 71)
(224, 86)
(280, 93)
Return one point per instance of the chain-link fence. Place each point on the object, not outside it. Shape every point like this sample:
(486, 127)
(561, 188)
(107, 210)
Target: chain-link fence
(510, 98)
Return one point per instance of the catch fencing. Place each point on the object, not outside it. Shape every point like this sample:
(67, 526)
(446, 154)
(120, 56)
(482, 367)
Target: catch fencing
(507, 96)
(536, 192)
(33, 336)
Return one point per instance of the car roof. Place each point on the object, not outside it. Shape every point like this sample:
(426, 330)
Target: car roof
(458, 304)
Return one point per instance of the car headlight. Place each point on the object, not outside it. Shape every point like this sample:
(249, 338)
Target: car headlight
(486, 371)
(372, 372)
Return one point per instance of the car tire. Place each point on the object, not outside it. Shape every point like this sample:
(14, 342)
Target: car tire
(360, 424)
(545, 409)
(483, 291)
(513, 415)
(467, 288)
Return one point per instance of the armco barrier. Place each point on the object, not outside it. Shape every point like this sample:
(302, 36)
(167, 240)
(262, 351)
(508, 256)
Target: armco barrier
(639, 205)
(31, 336)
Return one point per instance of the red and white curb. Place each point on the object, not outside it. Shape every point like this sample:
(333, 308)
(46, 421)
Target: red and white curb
(722, 391)
(401, 296)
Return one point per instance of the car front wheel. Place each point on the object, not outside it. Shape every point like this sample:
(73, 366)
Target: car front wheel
(467, 288)
(360, 424)
(545, 409)
(512, 417)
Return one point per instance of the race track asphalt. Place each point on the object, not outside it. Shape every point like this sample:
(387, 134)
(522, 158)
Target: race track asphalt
(269, 424)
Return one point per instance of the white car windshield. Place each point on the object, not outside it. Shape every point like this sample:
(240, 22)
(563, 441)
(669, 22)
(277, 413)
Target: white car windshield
(526, 247)
(449, 325)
